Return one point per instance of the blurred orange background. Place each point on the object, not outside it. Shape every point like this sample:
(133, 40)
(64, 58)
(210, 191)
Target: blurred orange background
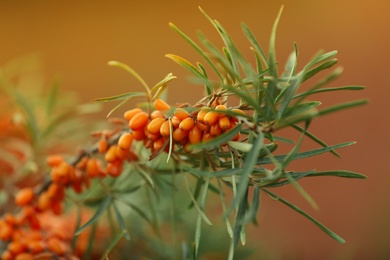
(76, 39)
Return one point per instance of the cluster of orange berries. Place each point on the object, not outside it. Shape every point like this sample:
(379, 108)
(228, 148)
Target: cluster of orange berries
(24, 233)
(186, 128)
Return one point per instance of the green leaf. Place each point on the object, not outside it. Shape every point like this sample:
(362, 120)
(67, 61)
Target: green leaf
(309, 153)
(132, 72)
(338, 173)
(342, 106)
(322, 90)
(317, 223)
(240, 146)
(326, 65)
(239, 223)
(256, 46)
(121, 222)
(198, 49)
(218, 140)
(249, 164)
(191, 68)
(314, 138)
(124, 96)
(222, 173)
(159, 88)
(103, 206)
(113, 243)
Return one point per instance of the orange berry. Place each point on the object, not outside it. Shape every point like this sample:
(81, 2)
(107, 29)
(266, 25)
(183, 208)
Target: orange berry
(138, 135)
(157, 114)
(211, 117)
(238, 111)
(5, 231)
(129, 114)
(139, 121)
(158, 143)
(161, 105)
(120, 153)
(56, 207)
(24, 196)
(56, 246)
(102, 145)
(9, 219)
(54, 160)
(224, 123)
(195, 135)
(165, 130)
(82, 163)
(114, 169)
(125, 141)
(187, 124)
(175, 121)
(16, 247)
(155, 125)
(92, 168)
(44, 201)
(207, 137)
(36, 246)
(180, 113)
(56, 192)
(24, 256)
(215, 129)
(202, 126)
(221, 110)
(154, 137)
(202, 113)
(179, 134)
(34, 222)
(61, 173)
(7, 255)
(110, 154)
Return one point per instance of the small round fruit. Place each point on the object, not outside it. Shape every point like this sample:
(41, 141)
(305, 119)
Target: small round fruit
(211, 117)
(224, 123)
(129, 114)
(202, 113)
(165, 129)
(180, 113)
(179, 134)
(125, 141)
(161, 105)
(24, 196)
(187, 124)
(195, 135)
(155, 125)
(139, 121)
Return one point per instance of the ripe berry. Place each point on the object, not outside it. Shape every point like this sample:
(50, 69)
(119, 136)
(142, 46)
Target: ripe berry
(61, 173)
(202, 113)
(138, 135)
(180, 113)
(187, 124)
(203, 126)
(215, 129)
(179, 134)
(131, 113)
(110, 154)
(211, 117)
(102, 145)
(158, 143)
(54, 160)
(139, 121)
(195, 135)
(156, 114)
(221, 110)
(161, 105)
(175, 121)
(155, 125)
(24, 196)
(125, 141)
(165, 130)
(44, 201)
(207, 137)
(224, 123)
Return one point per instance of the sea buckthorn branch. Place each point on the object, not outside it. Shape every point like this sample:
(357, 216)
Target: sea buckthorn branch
(213, 140)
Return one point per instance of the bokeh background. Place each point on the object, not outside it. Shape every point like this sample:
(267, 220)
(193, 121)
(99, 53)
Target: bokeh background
(76, 39)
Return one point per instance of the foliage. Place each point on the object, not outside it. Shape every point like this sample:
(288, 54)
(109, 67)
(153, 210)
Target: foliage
(163, 177)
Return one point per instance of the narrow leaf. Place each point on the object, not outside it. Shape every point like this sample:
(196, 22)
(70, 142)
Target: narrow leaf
(317, 223)
(99, 212)
(121, 222)
(339, 107)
